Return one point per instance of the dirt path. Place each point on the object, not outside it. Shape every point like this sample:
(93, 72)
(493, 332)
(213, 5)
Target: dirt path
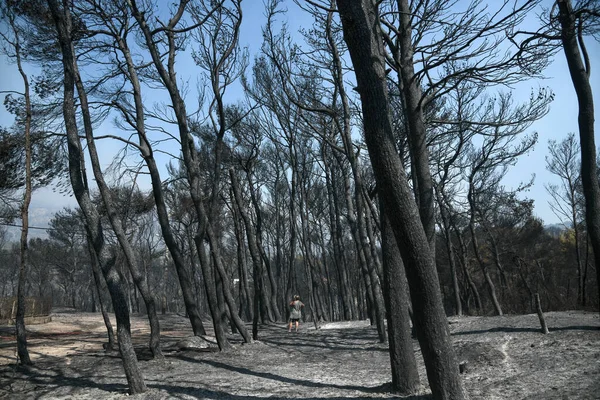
(507, 358)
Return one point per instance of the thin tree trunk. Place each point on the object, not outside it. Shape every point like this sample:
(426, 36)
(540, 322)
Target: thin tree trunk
(252, 243)
(464, 260)
(228, 299)
(291, 288)
(245, 297)
(445, 226)
(579, 69)
(486, 274)
(540, 313)
(336, 239)
(22, 350)
(375, 302)
(259, 245)
(99, 286)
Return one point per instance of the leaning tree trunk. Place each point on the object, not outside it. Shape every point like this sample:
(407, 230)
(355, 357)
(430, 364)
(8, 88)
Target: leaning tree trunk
(168, 77)
(579, 68)
(139, 278)
(183, 273)
(259, 295)
(135, 380)
(211, 291)
(360, 21)
(228, 299)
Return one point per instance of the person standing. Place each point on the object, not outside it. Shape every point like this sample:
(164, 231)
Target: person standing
(295, 312)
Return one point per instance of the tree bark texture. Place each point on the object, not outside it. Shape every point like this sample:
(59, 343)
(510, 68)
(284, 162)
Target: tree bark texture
(540, 313)
(360, 21)
(405, 376)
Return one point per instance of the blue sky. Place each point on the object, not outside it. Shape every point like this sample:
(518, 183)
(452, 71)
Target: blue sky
(561, 119)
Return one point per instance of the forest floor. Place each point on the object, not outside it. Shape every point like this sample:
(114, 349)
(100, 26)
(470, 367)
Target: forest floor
(507, 358)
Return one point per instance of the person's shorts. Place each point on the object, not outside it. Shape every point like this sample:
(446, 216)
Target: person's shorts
(294, 319)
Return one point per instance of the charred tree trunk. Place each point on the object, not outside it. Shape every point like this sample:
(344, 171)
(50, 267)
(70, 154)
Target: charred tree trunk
(345, 292)
(183, 274)
(540, 313)
(445, 226)
(135, 380)
(412, 97)
(244, 290)
(356, 219)
(360, 21)
(405, 376)
(228, 299)
(464, 260)
(258, 236)
(210, 286)
(22, 350)
(190, 155)
(99, 288)
(252, 245)
(486, 273)
(579, 69)
(138, 277)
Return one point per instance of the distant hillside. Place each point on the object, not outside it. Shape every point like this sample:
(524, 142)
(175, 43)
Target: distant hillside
(556, 229)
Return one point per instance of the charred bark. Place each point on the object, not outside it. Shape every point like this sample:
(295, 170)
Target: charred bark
(405, 376)
(579, 69)
(360, 21)
(114, 280)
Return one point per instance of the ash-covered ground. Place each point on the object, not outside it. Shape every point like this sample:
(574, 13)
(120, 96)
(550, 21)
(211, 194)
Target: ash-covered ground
(507, 358)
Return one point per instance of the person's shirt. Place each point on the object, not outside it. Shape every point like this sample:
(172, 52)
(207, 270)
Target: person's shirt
(296, 309)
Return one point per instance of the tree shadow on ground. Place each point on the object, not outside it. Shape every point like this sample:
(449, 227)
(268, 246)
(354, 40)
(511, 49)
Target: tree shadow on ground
(47, 380)
(213, 394)
(293, 381)
(320, 343)
(510, 329)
